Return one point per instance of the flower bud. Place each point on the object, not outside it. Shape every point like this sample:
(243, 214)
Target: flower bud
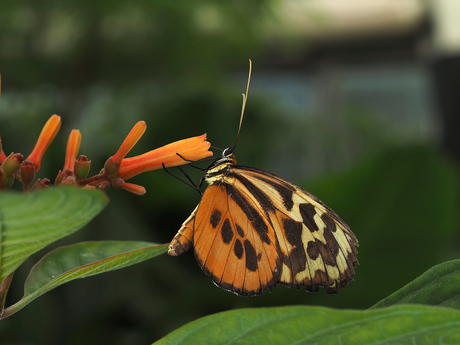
(104, 185)
(68, 181)
(12, 163)
(62, 175)
(41, 184)
(111, 167)
(81, 167)
(8, 181)
(27, 172)
(117, 183)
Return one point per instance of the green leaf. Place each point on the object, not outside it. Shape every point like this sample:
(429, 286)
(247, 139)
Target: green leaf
(29, 222)
(82, 260)
(440, 285)
(405, 324)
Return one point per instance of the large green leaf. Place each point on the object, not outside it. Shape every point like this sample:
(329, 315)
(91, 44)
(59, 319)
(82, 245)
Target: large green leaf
(440, 285)
(405, 324)
(29, 222)
(82, 260)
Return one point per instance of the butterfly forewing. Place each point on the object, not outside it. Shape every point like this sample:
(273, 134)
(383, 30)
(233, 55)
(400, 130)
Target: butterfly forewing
(320, 246)
(253, 229)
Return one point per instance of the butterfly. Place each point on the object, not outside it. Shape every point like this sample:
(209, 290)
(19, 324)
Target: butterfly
(253, 230)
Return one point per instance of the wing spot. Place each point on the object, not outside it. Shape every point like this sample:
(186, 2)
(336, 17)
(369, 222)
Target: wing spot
(330, 223)
(316, 248)
(307, 211)
(238, 249)
(216, 215)
(251, 257)
(239, 230)
(312, 250)
(226, 231)
(293, 232)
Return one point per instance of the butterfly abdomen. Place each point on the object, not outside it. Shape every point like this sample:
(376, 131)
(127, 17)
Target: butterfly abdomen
(183, 240)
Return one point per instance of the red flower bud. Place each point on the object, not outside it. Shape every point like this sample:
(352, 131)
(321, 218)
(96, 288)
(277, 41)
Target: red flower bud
(68, 181)
(117, 183)
(27, 173)
(104, 185)
(111, 167)
(62, 175)
(41, 184)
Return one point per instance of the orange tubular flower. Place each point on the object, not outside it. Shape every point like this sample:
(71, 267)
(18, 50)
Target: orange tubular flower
(131, 139)
(113, 163)
(47, 135)
(133, 188)
(192, 149)
(73, 145)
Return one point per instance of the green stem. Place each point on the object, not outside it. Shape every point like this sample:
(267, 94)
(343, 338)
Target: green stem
(4, 286)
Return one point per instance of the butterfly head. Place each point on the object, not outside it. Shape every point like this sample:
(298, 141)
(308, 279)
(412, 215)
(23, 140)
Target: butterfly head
(227, 159)
(228, 153)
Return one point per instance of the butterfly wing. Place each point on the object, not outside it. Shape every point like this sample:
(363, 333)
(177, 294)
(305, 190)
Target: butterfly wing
(252, 230)
(317, 248)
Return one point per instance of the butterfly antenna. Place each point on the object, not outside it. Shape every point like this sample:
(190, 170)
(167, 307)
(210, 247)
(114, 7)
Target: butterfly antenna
(245, 98)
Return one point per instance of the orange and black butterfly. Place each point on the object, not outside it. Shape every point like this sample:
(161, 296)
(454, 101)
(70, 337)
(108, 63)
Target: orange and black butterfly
(253, 230)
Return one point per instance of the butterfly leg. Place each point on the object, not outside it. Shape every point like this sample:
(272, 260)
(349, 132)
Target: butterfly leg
(190, 182)
(193, 165)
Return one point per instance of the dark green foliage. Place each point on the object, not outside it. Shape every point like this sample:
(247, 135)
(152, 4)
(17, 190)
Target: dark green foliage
(102, 66)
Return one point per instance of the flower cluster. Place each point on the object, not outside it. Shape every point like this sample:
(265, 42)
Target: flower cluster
(117, 168)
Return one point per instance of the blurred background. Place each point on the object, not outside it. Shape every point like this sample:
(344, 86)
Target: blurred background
(358, 102)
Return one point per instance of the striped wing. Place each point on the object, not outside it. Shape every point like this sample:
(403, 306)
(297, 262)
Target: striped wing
(316, 246)
(253, 230)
